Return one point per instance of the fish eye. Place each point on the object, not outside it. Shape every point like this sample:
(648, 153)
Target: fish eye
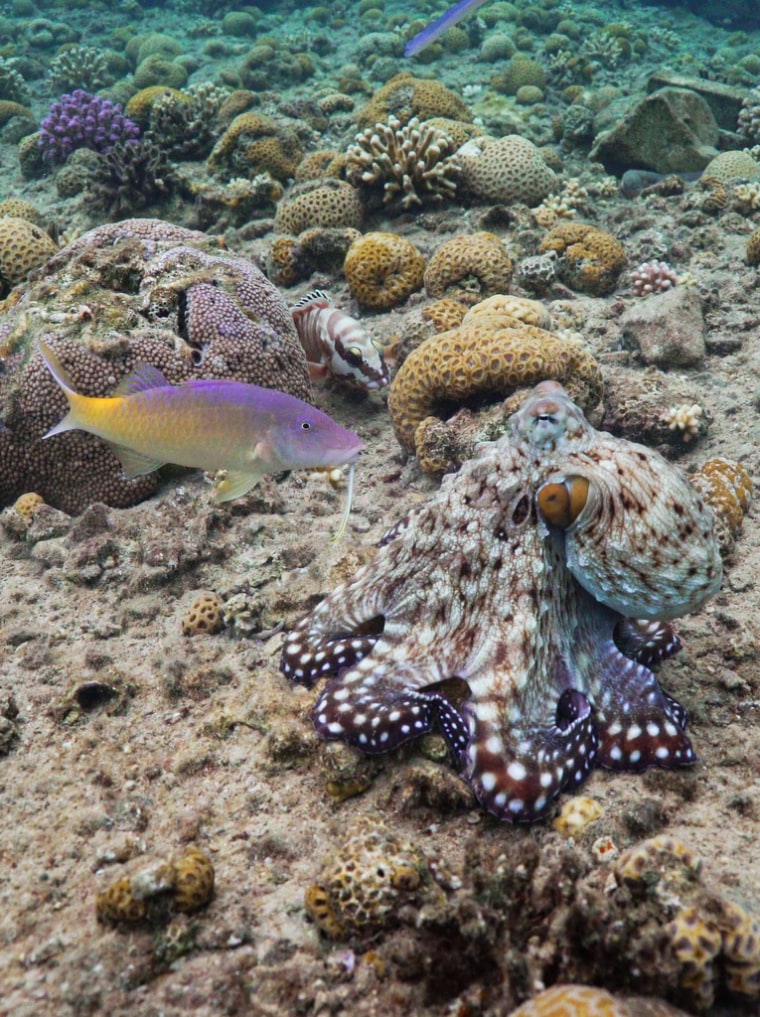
(305, 425)
(354, 356)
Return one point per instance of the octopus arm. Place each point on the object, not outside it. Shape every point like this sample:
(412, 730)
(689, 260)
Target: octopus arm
(638, 724)
(518, 779)
(648, 642)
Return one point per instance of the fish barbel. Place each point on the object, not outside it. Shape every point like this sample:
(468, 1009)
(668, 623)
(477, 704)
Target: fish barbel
(209, 425)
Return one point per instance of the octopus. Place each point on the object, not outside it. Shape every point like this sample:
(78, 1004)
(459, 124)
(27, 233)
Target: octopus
(519, 613)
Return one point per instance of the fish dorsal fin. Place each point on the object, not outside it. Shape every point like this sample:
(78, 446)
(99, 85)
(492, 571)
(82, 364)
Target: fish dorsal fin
(134, 464)
(144, 377)
(311, 297)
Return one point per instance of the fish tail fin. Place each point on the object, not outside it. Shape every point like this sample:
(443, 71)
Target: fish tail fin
(61, 376)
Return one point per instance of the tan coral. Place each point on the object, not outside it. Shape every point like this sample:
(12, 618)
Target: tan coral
(695, 943)
(506, 308)
(576, 815)
(505, 170)
(445, 314)
(23, 247)
(589, 259)
(140, 105)
(204, 615)
(383, 269)
(361, 887)
(255, 143)
(406, 96)
(477, 359)
(325, 162)
(733, 165)
(326, 202)
(727, 488)
(469, 267)
(753, 248)
(20, 208)
(573, 1001)
(28, 505)
(193, 881)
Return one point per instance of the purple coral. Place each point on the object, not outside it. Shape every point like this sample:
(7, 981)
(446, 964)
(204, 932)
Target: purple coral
(83, 120)
(653, 277)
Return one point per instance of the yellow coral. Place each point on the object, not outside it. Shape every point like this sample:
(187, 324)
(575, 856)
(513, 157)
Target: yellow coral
(193, 881)
(652, 856)
(27, 505)
(9, 109)
(727, 488)
(383, 269)
(469, 267)
(284, 266)
(255, 143)
(506, 170)
(325, 162)
(505, 308)
(695, 943)
(445, 314)
(753, 248)
(204, 615)
(576, 814)
(477, 359)
(733, 165)
(406, 96)
(327, 202)
(23, 247)
(590, 259)
(20, 208)
(573, 1001)
(140, 105)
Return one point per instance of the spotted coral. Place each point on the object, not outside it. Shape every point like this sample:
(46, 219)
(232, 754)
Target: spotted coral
(23, 247)
(383, 269)
(410, 164)
(361, 887)
(326, 202)
(727, 488)
(505, 170)
(204, 616)
(152, 893)
(469, 267)
(573, 1001)
(732, 165)
(255, 143)
(154, 293)
(588, 259)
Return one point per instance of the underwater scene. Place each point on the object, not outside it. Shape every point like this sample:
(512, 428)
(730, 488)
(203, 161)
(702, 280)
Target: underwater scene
(379, 428)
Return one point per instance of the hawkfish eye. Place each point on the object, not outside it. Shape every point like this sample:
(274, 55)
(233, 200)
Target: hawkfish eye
(354, 356)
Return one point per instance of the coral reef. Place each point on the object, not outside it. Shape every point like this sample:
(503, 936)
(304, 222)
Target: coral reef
(468, 268)
(749, 117)
(383, 269)
(505, 170)
(411, 164)
(82, 120)
(139, 291)
(588, 259)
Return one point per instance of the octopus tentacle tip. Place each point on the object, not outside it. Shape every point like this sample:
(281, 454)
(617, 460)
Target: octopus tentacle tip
(543, 575)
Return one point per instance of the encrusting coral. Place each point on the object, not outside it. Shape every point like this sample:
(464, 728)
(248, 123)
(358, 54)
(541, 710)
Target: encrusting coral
(411, 164)
(139, 291)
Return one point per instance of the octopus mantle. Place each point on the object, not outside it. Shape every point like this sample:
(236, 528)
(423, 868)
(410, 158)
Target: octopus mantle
(541, 577)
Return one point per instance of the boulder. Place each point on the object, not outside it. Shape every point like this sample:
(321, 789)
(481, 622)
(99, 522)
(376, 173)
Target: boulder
(673, 130)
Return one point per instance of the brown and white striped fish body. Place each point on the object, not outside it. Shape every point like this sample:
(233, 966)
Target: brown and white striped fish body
(338, 344)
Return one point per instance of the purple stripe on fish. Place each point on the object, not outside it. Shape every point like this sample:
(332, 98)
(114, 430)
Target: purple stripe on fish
(452, 17)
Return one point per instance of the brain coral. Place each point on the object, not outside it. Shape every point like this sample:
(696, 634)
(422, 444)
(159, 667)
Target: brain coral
(589, 259)
(405, 97)
(326, 202)
(383, 269)
(23, 247)
(139, 291)
(469, 267)
(254, 143)
(506, 170)
(732, 165)
(478, 358)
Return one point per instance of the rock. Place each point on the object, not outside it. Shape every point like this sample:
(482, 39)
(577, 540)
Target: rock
(725, 101)
(671, 131)
(667, 328)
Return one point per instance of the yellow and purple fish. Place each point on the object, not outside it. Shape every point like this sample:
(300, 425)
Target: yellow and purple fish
(209, 425)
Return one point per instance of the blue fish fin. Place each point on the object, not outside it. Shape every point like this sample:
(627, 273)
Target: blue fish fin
(134, 464)
(236, 484)
(144, 377)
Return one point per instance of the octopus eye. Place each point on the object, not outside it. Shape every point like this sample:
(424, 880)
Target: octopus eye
(561, 504)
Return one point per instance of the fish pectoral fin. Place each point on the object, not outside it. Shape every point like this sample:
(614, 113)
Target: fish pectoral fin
(317, 371)
(135, 464)
(235, 485)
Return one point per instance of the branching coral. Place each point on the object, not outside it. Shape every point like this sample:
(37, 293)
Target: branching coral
(185, 121)
(82, 120)
(80, 67)
(412, 163)
(130, 176)
(653, 277)
(749, 116)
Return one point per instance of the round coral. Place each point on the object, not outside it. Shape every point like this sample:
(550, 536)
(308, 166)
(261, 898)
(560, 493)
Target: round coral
(573, 1001)
(383, 269)
(589, 259)
(204, 616)
(477, 359)
(23, 247)
(468, 268)
(329, 203)
(734, 165)
(505, 170)
(255, 143)
(406, 96)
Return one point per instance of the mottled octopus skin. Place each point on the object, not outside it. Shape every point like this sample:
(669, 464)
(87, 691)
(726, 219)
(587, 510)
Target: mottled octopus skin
(551, 626)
